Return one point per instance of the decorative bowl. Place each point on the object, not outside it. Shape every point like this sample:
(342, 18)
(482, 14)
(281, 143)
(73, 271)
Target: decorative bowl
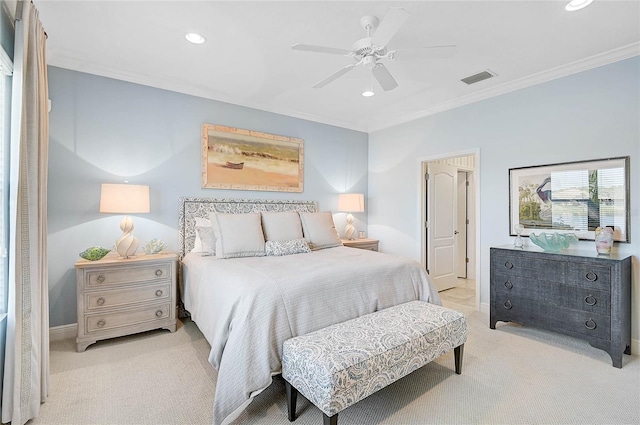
(94, 253)
(154, 246)
(553, 241)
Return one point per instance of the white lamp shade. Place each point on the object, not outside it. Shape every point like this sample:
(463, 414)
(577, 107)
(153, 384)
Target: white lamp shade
(351, 202)
(124, 199)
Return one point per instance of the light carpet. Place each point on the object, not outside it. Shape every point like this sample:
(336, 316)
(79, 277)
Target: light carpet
(511, 375)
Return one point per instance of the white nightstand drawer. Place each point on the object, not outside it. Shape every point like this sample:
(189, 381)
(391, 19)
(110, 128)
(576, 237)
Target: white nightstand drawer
(123, 297)
(125, 275)
(104, 322)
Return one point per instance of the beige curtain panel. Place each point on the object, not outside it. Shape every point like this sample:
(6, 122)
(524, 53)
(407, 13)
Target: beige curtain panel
(26, 369)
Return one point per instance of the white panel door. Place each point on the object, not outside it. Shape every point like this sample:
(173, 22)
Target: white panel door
(442, 200)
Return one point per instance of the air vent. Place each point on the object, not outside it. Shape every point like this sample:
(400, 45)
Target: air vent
(480, 76)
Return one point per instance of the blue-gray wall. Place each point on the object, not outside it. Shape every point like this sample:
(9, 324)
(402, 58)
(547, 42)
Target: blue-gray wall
(105, 131)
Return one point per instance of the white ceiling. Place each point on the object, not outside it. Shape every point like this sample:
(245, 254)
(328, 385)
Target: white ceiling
(248, 60)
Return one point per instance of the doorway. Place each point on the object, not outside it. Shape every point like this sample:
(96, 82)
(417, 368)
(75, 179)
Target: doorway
(449, 211)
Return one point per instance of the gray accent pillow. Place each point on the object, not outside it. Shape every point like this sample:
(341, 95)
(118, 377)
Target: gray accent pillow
(280, 226)
(238, 235)
(320, 230)
(287, 247)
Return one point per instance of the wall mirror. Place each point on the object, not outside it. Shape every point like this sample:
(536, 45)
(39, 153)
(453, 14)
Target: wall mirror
(571, 197)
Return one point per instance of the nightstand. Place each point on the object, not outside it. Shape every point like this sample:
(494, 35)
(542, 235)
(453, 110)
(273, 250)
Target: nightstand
(119, 297)
(370, 244)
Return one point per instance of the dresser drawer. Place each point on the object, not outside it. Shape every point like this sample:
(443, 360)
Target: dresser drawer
(102, 322)
(123, 297)
(532, 268)
(128, 275)
(590, 276)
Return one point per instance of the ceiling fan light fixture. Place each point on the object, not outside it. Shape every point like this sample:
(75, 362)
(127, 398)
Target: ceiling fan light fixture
(368, 93)
(574, 5)
(195, 38)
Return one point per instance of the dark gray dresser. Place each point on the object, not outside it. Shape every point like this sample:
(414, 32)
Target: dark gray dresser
(576, 293)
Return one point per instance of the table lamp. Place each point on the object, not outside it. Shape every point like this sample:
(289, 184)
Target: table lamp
(350, 202)
(125, 199)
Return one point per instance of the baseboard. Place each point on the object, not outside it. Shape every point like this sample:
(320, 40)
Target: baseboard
(58, 333)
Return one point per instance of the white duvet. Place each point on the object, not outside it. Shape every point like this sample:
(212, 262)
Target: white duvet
(247, 307)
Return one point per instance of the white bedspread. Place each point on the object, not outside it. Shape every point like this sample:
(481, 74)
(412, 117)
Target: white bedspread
(247, 307)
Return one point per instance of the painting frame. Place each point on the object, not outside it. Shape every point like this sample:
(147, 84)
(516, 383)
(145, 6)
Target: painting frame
(238, 159)
(588, 194)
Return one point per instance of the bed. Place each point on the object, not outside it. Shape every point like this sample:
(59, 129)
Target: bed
(247, 306)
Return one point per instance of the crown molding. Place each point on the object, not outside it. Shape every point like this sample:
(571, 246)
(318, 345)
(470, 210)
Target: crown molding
(611, 56)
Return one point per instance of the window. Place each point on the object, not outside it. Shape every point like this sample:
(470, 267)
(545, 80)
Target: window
(6, 69)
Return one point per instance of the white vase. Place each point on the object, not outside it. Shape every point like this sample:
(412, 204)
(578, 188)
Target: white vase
(604, 240)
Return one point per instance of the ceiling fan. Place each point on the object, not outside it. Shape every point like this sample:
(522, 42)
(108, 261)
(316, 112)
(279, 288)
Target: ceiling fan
(372, 50)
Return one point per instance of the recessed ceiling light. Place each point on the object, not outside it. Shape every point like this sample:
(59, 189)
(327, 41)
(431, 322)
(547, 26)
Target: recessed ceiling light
(195, 38)
(368, 93)
(574, 5)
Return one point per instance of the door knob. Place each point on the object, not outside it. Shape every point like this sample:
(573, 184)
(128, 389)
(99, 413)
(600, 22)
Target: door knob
(455, 232)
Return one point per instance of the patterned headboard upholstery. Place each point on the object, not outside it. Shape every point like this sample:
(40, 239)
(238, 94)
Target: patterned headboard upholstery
(201, 207)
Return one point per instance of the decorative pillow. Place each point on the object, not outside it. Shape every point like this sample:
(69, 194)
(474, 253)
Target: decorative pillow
(208, 240)
(320, 230)
(280, 226)
(200, 222)
(238, 235)
(287, 247)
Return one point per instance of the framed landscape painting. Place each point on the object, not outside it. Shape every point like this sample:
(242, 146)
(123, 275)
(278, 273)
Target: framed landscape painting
(575, 197)
(238, 159)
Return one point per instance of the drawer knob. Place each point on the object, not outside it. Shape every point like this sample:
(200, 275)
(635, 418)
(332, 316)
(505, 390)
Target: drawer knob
(100, 278)
(508, 305)
(590, 300)
(100, 301)
(159, 313)
(158, 293)
(101, 323)
(590, 324)
(158, 272)
(508, 285)
(508, 265)
(591, 277)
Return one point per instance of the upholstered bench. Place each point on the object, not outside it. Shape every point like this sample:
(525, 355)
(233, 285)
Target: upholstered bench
(342, 364)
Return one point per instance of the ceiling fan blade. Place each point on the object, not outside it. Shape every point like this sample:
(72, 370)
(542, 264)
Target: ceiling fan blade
(321, 49)
(391, 23)
(427, 52)
(334, 76)
(384, 77)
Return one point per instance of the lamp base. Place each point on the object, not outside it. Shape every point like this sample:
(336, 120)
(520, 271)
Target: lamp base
(349, 230)
(127, 244)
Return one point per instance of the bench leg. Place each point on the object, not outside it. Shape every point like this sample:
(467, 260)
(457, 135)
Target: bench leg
(292, 398)
(326, 420)
(457, 354)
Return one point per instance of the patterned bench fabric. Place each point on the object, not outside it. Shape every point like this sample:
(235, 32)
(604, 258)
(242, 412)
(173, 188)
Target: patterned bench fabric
(342, 364)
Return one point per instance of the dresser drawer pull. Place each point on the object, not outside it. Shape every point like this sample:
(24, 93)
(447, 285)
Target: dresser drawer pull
(158, 313)
(158, 272)
(100, 278)
(101, 323)
(508, 265)
(591, 277)
(100, 301)
(508, 305)
(508, 285)
(590, 300)
(158, 293)
(590, 324)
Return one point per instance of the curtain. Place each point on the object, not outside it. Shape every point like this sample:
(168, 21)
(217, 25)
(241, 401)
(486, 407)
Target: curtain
(26, 373)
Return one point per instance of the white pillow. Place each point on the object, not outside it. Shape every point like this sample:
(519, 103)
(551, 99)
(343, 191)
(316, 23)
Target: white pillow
(238, 235)
(281, 226)
(208, 240)
(287, 247)
(200, 222)
(320, 230)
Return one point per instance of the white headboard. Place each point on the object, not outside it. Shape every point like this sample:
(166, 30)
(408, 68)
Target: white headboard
(201, 207)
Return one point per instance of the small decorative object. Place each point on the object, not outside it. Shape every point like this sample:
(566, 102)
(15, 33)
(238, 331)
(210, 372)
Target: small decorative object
(553, 241)
(518, 242)
(361, 234)
(94, 253)
(154, 246)
(604, 240)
